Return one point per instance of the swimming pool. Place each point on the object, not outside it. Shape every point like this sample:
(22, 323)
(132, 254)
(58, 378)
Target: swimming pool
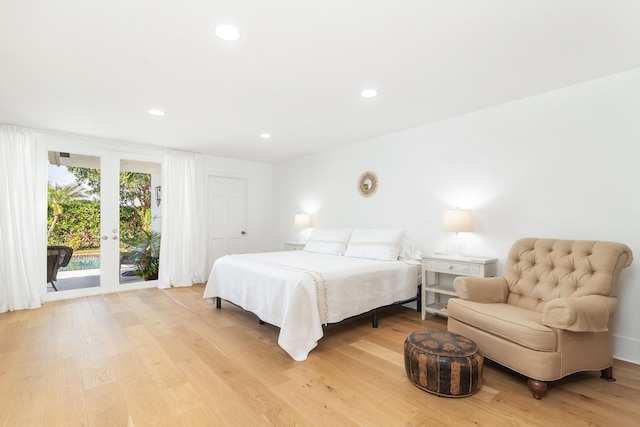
(82, 262)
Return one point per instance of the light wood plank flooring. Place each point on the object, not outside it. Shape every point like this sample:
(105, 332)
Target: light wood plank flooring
(166, 357)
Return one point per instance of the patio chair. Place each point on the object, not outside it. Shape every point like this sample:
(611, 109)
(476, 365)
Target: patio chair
(130, 259)
(57, 256)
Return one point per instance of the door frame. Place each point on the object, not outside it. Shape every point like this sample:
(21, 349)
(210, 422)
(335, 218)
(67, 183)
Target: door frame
(48, 141)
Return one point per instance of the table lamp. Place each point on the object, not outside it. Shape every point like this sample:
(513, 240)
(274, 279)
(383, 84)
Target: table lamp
(457, 221)
(303, 221)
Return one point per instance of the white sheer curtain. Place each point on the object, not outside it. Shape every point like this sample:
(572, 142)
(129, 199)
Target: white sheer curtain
(22, 263)
(183, 250)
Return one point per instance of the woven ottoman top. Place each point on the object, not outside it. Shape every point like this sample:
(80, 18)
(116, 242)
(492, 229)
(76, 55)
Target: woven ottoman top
(442, 343)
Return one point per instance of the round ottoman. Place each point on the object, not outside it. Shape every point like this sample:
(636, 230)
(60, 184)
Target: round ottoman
(443, 363)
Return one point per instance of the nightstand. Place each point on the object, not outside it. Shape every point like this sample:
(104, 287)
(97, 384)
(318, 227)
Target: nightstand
(438, 273)
(293, 246)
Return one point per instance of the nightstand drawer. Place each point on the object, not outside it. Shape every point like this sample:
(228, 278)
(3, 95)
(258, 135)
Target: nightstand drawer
(449, 267)
(293, 246)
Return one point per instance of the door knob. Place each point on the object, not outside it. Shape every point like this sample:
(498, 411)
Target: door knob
(243, 232)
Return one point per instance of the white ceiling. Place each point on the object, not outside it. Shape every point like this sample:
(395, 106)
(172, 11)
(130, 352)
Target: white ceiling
(94, 67)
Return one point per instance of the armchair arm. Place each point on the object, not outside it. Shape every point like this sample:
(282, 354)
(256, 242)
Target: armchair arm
(589, 313)
(482, 289)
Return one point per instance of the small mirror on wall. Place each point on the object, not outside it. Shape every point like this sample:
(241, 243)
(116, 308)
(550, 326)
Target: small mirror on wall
(368, 184)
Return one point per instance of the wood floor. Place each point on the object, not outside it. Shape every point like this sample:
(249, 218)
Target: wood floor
(166, 357)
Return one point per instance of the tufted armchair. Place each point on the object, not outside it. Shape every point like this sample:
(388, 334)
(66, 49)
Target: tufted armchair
(550, 314)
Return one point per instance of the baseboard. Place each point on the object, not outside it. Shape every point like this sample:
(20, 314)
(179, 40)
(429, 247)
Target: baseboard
(627, 349)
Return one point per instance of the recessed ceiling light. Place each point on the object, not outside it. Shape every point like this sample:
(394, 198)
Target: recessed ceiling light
(227, 33)
(156, 112)
(369, 93)
(265, 135)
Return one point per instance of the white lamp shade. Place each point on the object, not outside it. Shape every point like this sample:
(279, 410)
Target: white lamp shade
(303, 220)
(457, 220)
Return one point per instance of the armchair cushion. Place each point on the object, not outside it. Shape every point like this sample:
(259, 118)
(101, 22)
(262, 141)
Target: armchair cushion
(580, 314)
(509, 322)
(481, 289)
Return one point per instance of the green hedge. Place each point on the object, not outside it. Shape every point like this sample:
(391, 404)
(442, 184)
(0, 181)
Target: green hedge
(79, 225)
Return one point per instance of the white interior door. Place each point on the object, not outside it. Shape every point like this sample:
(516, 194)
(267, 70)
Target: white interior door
(227, 208)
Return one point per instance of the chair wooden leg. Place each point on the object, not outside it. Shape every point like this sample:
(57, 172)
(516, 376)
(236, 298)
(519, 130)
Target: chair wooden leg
(54, 286)
(607, 374)
(537, 387)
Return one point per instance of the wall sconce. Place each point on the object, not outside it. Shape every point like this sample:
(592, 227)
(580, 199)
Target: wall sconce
(457, 221)
(303, 221)
(158, 194)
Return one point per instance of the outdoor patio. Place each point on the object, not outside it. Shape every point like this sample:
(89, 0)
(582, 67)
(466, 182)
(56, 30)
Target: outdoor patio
(87, 278)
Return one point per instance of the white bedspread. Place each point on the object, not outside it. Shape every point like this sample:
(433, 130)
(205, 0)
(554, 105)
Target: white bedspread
(300, 291)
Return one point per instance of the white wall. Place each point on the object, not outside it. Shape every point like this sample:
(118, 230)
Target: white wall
(559, 165)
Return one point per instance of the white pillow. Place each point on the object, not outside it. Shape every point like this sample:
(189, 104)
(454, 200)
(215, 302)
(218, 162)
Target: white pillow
(410, 250)
(371, 243)
(328, 240)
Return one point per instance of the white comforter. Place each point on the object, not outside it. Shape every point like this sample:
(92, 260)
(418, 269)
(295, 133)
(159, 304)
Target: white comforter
(300, 291)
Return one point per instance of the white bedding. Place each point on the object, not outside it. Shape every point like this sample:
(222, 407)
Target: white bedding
(300, 291)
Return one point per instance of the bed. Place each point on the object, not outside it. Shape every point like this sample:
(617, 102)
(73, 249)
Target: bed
(300, 291)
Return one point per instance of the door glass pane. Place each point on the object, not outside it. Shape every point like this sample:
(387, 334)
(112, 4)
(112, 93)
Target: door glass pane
(140, 222)
(73, 221)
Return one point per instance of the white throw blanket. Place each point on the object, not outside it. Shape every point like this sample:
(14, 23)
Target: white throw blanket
(300, 291)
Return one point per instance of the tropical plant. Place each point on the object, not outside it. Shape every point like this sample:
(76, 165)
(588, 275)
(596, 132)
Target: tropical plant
(58, 196)
(146, 254)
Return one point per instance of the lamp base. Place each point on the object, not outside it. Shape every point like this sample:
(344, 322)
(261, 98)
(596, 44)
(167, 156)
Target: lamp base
(305, 233)
(455, 246)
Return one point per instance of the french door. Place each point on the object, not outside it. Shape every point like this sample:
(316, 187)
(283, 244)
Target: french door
(108, 201)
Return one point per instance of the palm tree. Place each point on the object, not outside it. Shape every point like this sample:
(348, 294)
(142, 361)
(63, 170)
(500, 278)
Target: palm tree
(60, 195)
(135, 191)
